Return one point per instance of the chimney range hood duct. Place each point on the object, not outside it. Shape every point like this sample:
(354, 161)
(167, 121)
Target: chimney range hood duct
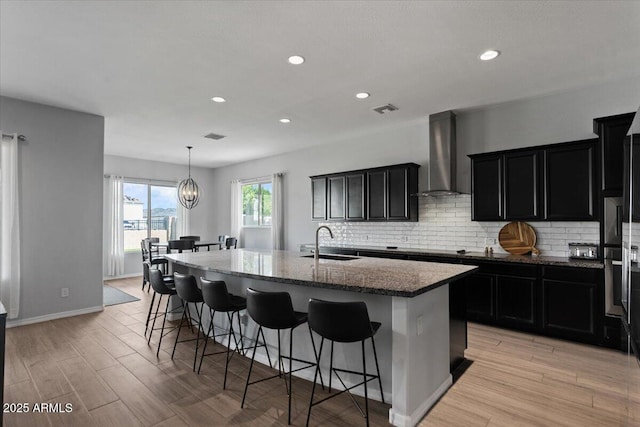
(442, 155)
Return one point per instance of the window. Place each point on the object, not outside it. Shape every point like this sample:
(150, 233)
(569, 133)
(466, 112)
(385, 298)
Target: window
(256, 204)
(149, 210)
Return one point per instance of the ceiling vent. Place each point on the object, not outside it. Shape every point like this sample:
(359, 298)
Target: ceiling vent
(383, 109)
(214, 136)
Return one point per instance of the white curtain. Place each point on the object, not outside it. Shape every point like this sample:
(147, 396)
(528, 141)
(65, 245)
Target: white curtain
(184, 221)
(9, 226)
(236, 210)
(115, 246)
(277, 212)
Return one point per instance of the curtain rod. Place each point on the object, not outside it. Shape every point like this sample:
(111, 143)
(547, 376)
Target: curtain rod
(20, 137)
(141, 180)
(258, 179)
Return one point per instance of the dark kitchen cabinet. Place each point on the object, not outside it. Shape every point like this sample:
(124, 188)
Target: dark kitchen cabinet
(336, 205)
(634, 180)
(480, 295)
(570, 191)
(611, 132)
(516, 302)
(552, 183)
(400, 194)
(355, 197)
(319, 199)
(377, 195)
(572, 304)
(521, 185)
(486, 188)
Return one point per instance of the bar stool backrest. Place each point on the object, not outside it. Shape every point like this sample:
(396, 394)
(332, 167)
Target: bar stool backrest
(215, 294)
(157, 282)
(272, 310)
(194, 238)
(187, 287)
(340, 321)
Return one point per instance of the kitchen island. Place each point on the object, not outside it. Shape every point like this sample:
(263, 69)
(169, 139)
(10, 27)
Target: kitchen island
(410, 299)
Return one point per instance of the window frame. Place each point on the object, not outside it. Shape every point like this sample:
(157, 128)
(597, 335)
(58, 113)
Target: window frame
(149, 183)
(260, 182)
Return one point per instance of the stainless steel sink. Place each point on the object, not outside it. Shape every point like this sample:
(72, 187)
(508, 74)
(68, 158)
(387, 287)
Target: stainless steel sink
(333, 257)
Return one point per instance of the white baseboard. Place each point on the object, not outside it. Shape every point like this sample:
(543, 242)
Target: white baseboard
(53, 316)
(410, 420)
(124, 276)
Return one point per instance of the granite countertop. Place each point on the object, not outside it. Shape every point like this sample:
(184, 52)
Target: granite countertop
(360, 274)
(474, 256)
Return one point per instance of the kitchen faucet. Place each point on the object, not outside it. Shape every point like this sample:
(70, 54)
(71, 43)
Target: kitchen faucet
(316, 253)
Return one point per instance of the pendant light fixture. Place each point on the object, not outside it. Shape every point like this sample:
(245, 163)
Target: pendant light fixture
(188, 191)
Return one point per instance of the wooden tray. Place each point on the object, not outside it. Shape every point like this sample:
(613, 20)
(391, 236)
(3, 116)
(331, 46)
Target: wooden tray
(518, 238)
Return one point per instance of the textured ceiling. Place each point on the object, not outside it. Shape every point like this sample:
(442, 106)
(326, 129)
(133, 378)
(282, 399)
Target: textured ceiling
(150, 68)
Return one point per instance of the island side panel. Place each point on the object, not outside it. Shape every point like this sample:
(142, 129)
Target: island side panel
(346, 356)
(420, 354)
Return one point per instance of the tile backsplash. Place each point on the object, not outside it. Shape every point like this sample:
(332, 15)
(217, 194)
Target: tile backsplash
(445, 224)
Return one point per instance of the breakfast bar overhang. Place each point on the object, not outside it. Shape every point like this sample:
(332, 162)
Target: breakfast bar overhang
(409, 298)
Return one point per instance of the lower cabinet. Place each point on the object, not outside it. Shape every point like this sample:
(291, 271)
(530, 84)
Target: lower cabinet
(516, 302)
(572, 304)
(560, 302)
(481, 291)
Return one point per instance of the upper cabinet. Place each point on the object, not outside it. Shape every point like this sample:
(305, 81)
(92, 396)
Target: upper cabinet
(570, 191)
(355, 193)
(550, 183)
(319, 198)
(336, 204)
(378, 194)
(521, 185)
(611, 131)
(486, 187)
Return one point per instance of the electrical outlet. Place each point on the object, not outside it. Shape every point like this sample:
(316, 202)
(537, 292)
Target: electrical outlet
(64, 292)
(366, 237)
(404, 239)
(490, 241)
(419, 325)
(244, 319)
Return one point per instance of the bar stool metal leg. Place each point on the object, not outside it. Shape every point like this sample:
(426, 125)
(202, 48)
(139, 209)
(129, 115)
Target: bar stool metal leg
(375, 356)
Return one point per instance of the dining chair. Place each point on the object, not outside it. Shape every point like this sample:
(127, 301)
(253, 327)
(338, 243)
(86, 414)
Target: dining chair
(180, 245)
(229, 242)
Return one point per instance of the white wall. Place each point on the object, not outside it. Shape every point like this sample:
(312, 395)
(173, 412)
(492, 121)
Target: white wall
(547, 119)
(201, 219)
(61, 206)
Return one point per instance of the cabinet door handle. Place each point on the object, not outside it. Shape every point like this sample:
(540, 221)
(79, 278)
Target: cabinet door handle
(618, 220)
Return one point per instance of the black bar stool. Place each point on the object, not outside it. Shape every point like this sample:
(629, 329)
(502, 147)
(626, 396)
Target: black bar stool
(274, 310)
(188, 291)
(162, 285)
(217, 298)
(167, 280)
(343, 322)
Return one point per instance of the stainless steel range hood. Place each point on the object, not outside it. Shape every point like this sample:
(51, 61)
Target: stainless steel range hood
(442, 155)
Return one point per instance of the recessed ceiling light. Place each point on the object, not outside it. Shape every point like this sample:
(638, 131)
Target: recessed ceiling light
(489, 55)
(285, 120)
(218, 99)
(296, 60)
(362, 95)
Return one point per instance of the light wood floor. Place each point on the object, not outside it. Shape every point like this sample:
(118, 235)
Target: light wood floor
(102, 365)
